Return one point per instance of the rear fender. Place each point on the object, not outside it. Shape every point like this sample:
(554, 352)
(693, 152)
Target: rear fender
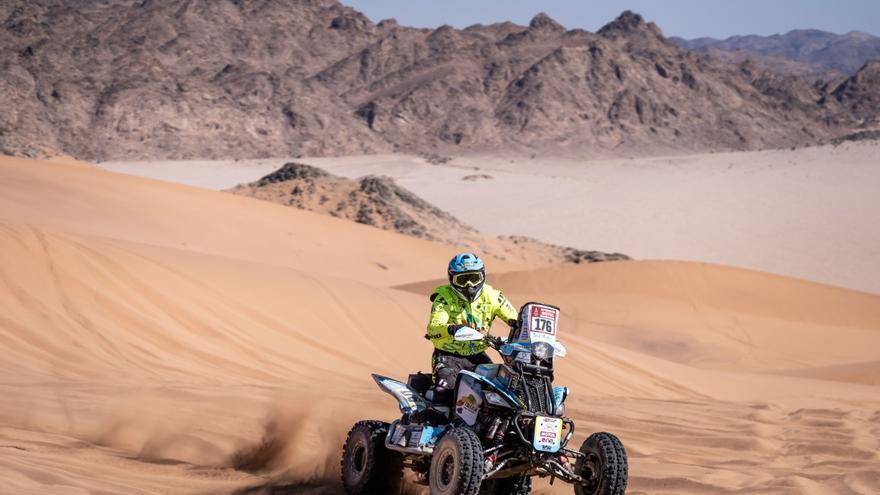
(408, 399)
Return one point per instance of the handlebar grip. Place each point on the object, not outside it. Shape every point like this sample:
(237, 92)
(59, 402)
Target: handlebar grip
(494, 342)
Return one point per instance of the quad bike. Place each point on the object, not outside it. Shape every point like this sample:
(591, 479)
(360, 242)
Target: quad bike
(505, 426)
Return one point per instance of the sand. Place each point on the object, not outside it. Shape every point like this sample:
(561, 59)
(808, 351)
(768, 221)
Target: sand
(160, 338)
(809, 213)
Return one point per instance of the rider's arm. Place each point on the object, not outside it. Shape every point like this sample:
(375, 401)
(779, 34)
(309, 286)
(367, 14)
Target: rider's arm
(438, 325)
(505, 310)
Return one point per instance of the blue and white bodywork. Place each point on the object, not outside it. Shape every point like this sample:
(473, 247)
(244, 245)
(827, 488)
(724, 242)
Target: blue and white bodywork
(417, 438)
(510, 412)
(408, 400)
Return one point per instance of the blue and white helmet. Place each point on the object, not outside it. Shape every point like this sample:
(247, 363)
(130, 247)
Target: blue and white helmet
(467, 275)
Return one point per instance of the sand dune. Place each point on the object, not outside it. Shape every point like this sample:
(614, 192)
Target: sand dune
(712, 316)
(91, 201)
(866, 372)
(808, 213)
(164, 339)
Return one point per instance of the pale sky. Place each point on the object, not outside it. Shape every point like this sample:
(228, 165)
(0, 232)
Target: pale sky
(685, 18)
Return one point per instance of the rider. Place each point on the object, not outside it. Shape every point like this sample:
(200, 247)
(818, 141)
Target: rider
(468, 301)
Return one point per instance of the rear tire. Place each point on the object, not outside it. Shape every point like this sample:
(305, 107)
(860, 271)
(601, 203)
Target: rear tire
(518, 485)
(368, 468)
(605, 466)
(457, 464)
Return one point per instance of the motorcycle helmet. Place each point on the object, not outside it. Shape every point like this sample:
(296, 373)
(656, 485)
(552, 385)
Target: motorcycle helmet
(467, 275)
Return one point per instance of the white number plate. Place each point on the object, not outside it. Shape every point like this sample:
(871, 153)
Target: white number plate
(548, 434)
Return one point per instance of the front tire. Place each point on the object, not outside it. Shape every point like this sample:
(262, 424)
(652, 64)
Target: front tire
(605, 466)
(368, 468)
(457, 464)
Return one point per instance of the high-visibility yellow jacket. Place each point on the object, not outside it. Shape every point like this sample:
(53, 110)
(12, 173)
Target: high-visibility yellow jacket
(449, 308)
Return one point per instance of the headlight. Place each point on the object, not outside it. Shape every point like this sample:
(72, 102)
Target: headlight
(542, 350)
(496, 399)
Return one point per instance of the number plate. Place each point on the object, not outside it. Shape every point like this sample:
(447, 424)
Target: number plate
(548, 434)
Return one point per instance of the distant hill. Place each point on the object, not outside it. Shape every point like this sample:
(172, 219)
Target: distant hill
(116, 79)
(821, 51)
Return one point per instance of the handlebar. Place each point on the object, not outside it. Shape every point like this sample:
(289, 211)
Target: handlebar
(494, 342)
(468, 334)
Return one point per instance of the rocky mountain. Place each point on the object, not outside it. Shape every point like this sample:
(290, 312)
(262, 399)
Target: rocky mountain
(382, 203)
(858, 97)
(820, 51)
(112, 79)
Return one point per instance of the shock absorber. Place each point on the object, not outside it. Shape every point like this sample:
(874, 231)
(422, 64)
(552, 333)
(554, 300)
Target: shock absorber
(490, 434)
(501, 430)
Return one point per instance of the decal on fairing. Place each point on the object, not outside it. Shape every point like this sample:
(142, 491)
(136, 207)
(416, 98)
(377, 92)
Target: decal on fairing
(548, 434)
(543, 320)
(540, 323)
(496, 385)
(468, 403)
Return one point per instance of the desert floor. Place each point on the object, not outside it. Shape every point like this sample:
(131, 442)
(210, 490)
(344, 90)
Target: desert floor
(162, 338)
(809, 213)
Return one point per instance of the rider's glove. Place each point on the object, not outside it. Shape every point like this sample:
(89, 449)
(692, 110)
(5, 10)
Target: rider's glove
(454, 328)
(513, 324)
(494, 342)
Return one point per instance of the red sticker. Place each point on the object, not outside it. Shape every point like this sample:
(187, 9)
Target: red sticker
(543, 312)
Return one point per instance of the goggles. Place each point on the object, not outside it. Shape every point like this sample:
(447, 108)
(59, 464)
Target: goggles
(472, 279)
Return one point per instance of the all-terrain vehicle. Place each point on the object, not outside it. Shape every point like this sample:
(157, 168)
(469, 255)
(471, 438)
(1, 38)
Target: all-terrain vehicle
(503, 425)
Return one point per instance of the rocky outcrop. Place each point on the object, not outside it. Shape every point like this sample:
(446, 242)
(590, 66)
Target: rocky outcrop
(859, 96)
(372, 200)
(380, 202)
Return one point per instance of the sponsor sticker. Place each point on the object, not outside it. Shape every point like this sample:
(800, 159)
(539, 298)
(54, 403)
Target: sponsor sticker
(548, 434)
(468, 405)
(543, 320)
(540, 323)
(543, 312)
(467, 402)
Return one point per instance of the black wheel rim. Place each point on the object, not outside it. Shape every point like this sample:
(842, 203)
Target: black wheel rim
(447, 470)
(590, 470)
(359, 458)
